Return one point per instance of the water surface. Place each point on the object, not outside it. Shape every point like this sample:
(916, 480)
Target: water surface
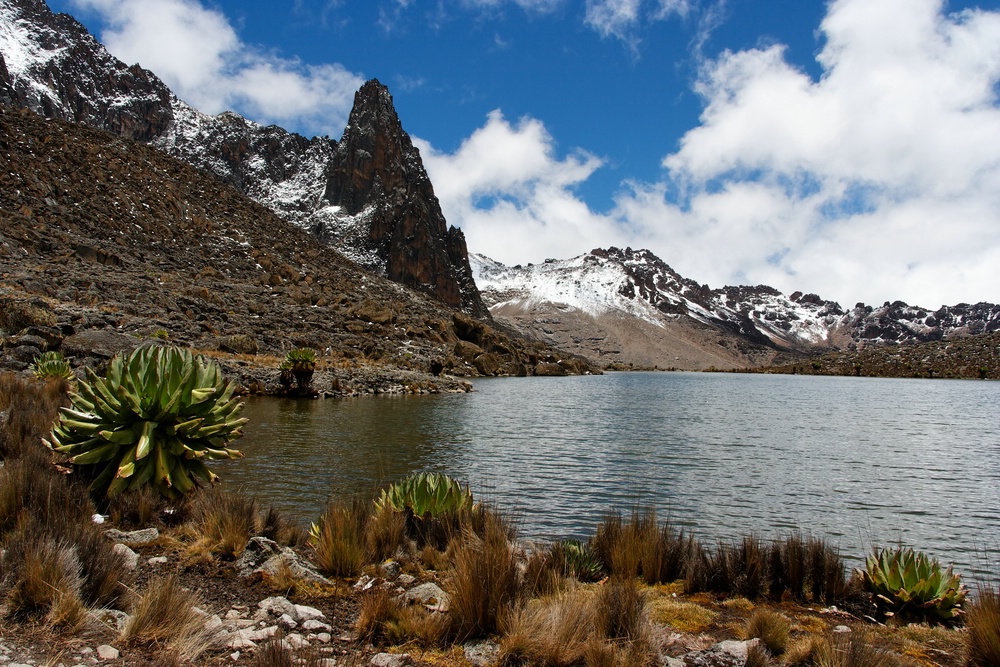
(855, 460)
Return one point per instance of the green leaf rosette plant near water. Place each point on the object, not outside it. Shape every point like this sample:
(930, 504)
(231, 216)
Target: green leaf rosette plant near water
(52, 365)
(909, 584)
(425, 494)
(154, 419)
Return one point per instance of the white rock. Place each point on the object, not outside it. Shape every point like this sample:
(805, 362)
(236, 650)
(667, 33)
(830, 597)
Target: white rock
(213, 623)
(130, 557)
(105, 652)
(312, 625)
(157, 560)
(287, 622)
(260, 635)
(276, 606)
(324, 637)
(296, 641)
(841, 629)
(304, 613)
(391, 660)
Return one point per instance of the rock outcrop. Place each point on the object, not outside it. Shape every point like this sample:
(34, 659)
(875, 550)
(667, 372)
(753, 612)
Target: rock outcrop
(367, 195)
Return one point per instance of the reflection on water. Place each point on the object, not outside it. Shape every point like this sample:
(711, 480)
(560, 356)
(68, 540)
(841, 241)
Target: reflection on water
(852, 459)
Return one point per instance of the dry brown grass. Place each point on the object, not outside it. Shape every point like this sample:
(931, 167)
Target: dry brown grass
(226, 519)
(485, 583)
(773, 630)
(983, 622)
(342, 547)
(684, 616)
(378, 610)
(553, 630)
(164, 618)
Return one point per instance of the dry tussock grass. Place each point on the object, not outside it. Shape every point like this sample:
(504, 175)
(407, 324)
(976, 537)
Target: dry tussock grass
(165, 618)
(773, 630)
(485, 583)
(983, 622)
(341, 549)
(227, 520)
(684, 616)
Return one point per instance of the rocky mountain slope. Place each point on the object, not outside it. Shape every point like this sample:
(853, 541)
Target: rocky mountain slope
(629, 307)
(367, 194)
(102, 233)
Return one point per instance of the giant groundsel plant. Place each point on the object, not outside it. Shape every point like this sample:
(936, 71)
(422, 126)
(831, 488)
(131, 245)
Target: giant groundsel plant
(154, 419)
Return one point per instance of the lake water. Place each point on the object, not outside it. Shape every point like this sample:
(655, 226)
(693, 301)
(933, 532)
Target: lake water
(855, 460)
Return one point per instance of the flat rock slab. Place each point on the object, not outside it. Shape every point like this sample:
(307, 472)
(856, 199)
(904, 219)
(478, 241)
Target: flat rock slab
(144, 536)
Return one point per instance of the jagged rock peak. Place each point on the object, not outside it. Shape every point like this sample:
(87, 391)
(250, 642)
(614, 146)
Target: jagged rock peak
(377, 174)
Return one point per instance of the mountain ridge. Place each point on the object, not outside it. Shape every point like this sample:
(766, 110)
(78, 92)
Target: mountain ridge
(610, 284)
(51, 64)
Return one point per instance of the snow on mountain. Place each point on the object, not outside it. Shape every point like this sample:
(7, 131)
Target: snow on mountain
(367, 194)
(636, 283)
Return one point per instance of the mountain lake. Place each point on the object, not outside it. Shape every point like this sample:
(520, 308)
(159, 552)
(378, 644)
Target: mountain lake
(858, 461)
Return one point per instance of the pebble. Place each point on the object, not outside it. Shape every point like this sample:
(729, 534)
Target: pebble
(106, 652)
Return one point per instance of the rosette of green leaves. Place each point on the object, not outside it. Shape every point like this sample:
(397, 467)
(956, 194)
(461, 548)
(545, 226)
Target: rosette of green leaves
(154, 419)
(425, 494)
(581, 561)
(911, 584)
(300, 359)
(52, 365)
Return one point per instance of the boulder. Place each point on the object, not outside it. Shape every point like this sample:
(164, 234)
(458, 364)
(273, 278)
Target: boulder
(100, 343)
(548, 369)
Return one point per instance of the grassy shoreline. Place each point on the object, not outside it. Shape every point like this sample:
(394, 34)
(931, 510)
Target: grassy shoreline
(652, 582)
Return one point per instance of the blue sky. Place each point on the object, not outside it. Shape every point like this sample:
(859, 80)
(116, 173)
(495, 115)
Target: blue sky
(849, 148)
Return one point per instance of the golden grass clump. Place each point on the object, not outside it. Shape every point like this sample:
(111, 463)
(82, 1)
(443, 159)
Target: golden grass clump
(341, 547)
(771, 628)
(850, 649)
(684, 616)
(983, 623)
(485, 583)
(226, 520)
(165, 617)
(378, 609)
(552, 630)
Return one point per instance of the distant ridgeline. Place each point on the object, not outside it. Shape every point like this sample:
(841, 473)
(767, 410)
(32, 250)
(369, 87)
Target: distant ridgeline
(369, 196)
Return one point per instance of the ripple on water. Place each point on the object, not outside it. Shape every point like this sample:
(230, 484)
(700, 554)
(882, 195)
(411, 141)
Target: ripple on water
(856, 460)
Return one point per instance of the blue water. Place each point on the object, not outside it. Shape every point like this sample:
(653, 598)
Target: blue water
(855, 460)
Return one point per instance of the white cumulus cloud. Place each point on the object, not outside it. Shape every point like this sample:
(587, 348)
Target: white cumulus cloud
(197, 52)
(512, 196)
(879, 180)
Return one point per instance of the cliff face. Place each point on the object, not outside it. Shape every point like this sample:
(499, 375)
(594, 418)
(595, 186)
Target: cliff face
(367, 195)
(377, 170)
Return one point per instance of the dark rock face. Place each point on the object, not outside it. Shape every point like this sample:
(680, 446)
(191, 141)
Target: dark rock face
(374, 168)
(81, 79)
(377, 167)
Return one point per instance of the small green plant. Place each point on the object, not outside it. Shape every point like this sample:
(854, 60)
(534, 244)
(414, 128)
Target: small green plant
(299, 364)
(771, 628)
(580, 561)
(910, 584)
(160, 334)
(426, 494)
(154, 419)
(52, 365)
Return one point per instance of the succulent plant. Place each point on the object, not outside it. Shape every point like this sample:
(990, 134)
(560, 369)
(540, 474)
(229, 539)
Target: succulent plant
(581, 561)
(155, 418)
(910, 584)
(425, 494)
(298, 364)
(52, 365)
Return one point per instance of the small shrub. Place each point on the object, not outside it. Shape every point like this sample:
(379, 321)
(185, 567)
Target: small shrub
(852, 649)
(416, 625)
(378, 609)
(551, 631)
(160, 334)
(299, 364)
(137, 509)
(485, 584)
(430, 504)
(621, 611)
(983, 623)
(42, 571)
(758, 656)
(154, 419)
(908, 584)
(52, 365)
(771, 628)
